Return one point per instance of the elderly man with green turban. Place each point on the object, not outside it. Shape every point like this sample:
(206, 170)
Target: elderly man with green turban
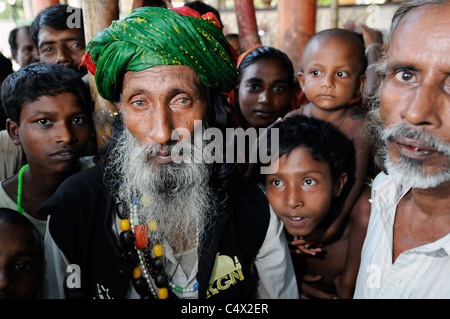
(143, 224)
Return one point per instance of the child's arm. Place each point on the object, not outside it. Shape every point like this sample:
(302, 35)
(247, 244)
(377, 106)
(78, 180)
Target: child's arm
(362, 153)
(359, 219)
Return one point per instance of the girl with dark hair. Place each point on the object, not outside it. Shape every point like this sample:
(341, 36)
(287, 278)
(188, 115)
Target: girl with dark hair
(266, 87)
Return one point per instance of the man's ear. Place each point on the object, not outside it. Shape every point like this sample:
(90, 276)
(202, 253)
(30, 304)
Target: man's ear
(340, 183)
(301, 79)
(13, 131)
(118, 105)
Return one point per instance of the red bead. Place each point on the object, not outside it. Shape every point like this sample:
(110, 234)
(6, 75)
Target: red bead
(141, 234)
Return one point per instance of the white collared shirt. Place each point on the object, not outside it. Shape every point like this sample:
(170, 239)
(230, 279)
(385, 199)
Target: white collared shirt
(421, 272)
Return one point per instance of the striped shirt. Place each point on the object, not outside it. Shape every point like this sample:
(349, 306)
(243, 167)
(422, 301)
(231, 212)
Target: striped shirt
(421, 272)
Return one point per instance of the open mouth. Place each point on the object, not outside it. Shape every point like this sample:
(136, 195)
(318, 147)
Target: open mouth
(412, 149)
(163, 157)
(296, 221)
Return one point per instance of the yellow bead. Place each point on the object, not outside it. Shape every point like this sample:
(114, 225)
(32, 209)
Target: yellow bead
(158, 250)
(146, 199)
(163, 293)
(137, 272)
(124, 224)
(153, 225)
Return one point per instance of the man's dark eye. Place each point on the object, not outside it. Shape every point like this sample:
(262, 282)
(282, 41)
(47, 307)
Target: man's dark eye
(405, 76)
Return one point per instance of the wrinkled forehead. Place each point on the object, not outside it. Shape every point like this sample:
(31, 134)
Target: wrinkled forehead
(426, 28)
(165, 78)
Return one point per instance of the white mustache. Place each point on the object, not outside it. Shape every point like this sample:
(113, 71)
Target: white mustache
(419, 134)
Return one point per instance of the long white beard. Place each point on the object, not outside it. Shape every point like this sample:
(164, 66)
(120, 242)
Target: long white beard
(410, 172)
(176, 196)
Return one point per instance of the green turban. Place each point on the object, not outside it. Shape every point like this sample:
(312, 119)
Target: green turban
(152, 36)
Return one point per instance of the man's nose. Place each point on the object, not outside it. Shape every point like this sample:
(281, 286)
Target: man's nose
(63, 55)
(35, 54)
(422, 106)
(161, 126)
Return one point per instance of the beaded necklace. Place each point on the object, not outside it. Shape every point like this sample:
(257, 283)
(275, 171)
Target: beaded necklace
(134, 236)
(20, 209)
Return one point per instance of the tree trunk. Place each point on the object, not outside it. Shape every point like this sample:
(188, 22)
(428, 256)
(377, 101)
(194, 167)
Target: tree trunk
(248, 28)
(97, 16)
(296, 25)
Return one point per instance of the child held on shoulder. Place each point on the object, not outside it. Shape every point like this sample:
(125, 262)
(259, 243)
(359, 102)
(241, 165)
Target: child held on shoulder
(331, 76)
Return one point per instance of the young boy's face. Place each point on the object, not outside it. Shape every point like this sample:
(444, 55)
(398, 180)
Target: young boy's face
(54, 132)
(19, 262)
(331, 73)
(264, 93)
(301, 191)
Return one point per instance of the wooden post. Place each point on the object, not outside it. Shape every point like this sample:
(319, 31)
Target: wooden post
(334, 11)
(38, 5)
(248, 28)
(98, 15)
(148, 3)
(296, 25)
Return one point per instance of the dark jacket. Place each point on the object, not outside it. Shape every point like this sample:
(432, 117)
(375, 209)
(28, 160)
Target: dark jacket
(81, 225)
